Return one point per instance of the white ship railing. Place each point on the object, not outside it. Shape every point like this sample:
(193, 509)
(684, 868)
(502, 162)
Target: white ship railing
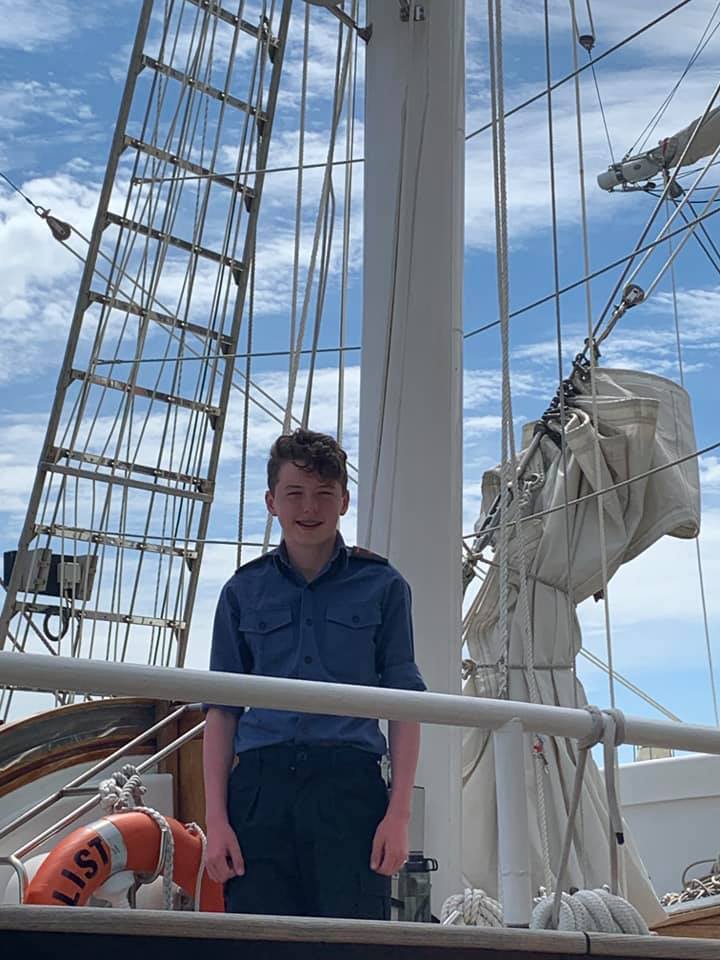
(508, 719)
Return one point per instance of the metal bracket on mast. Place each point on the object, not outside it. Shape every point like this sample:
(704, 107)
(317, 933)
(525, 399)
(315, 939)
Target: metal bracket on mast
(418, 11)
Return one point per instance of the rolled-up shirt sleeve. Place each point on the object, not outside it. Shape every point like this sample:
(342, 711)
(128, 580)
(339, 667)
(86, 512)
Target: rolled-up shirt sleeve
(395, 660)
(229, 652)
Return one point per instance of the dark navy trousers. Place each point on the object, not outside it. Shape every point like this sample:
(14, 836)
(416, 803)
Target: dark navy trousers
(305, 817)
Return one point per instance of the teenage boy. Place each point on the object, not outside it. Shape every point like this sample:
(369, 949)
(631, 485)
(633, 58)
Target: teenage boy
(302, 825)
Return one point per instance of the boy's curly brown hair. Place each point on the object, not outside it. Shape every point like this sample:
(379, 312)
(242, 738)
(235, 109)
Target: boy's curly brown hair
(315, 452)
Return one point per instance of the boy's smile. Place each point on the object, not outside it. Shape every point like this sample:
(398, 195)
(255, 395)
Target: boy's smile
(308, 508)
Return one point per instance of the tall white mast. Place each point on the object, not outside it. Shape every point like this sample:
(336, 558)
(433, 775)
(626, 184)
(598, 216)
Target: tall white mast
(411, 395)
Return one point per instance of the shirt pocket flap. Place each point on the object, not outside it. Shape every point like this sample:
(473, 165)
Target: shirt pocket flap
(354, 615)
(264, 620)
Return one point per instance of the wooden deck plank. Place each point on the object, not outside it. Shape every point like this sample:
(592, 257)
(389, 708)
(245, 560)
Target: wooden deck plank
(653, 948)
(46, 931)
(268, 929)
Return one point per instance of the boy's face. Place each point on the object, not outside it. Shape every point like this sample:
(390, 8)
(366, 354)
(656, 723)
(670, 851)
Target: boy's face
(307, 506)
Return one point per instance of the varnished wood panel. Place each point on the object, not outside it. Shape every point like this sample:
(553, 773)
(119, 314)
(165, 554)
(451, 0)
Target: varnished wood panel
(65, 736)
(185, 765)
(695, 920)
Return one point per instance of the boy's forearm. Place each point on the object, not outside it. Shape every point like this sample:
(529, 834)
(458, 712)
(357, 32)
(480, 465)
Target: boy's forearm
(218, 755)
(404, 736)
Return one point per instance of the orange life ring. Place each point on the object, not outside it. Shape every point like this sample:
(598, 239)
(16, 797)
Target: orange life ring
(84, 860)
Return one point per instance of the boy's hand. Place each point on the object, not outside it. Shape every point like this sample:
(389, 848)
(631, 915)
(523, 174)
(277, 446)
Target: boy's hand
(390, 845)
(224, 857)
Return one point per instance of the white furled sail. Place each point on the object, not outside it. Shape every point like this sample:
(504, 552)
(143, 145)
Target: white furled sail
(705, 141)
(643, 421)
(700, 139)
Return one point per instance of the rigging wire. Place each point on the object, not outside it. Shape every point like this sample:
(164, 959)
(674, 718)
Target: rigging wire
(180, 338)
(587, 42)
(672, 257)
(580, 847)
(255, 354)
(292, 168)
(627, 276)
(596, 273)
(192, 120)
(466, 536)
(593, 353)
(590, 20)
(629, 685)
(474, 559)
(715, 263)
(569, 591)
(325, 216)
(652, 124)
(558, 83)
(711, 243)
(698, 553)
(347, 211)
(508, 466)
(602, 109)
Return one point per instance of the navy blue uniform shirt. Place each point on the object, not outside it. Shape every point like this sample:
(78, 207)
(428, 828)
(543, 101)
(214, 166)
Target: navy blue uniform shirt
(351, 624)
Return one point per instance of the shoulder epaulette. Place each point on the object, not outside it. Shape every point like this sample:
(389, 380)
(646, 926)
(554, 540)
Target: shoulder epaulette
(360, 553)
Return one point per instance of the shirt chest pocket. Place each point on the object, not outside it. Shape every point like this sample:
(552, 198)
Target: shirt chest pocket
(269, 634)
(349, 642)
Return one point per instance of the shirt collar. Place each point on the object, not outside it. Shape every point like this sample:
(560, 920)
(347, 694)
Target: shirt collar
(338, 558)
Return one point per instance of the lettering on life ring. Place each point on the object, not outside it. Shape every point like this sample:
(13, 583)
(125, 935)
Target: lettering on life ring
(89, 859)
(86, 858)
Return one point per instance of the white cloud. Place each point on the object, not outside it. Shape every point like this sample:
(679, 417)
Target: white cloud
(37, 275)
(25, 102)
(655, 603)
(40, 24)
(710, 474)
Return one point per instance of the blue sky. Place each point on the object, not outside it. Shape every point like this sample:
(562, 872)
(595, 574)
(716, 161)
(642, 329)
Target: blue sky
(61, 78)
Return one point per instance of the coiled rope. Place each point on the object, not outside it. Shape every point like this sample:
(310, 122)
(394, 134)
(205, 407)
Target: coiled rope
(601, 910)
(472, 908)
(589, 911)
